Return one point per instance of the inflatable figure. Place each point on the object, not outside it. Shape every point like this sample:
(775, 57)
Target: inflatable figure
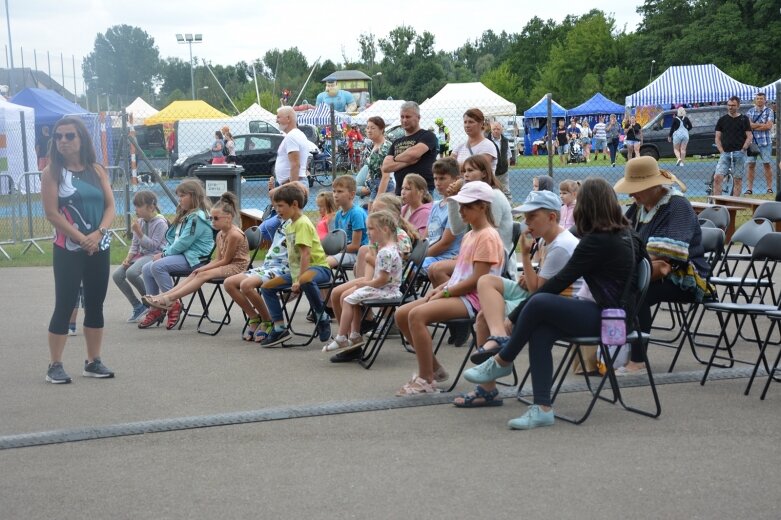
(342, 100)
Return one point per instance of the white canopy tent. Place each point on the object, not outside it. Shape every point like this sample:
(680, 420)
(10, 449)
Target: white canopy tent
(257, 113)
(387, 109)
(454, 99)
(140, 110)
(16, 159)
(689, 84)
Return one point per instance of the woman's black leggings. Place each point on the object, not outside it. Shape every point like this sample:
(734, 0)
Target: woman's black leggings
(73, 269)
(544, 319)
(658, 291)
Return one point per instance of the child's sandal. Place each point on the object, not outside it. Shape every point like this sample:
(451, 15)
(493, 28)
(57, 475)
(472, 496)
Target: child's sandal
(252, 325)
(487, 398)
(160, 301)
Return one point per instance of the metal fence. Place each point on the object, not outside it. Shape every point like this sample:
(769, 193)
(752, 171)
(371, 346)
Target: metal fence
(157, 154)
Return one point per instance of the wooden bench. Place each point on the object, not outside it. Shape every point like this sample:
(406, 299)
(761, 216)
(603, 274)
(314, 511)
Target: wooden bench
(742, 203)
(732, 210)
(251, 217)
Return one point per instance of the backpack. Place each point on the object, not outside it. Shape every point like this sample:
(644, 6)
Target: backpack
(225, 148)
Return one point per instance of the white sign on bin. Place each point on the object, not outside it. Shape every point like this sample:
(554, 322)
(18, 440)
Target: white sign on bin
(216, 188)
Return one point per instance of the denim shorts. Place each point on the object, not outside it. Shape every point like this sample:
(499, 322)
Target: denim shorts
(765, 155)
(600, 144)
(736, 159)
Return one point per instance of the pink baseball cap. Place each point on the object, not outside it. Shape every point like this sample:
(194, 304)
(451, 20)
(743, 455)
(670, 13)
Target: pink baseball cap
(474, 191)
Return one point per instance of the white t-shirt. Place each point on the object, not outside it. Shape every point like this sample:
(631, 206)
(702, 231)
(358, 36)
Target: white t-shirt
(557, 254)
(294, 141)
(486, 146)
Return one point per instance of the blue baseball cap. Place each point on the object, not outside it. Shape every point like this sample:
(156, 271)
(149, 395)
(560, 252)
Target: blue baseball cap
(539, 200)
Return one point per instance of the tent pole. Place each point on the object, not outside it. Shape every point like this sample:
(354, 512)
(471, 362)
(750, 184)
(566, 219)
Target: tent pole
(307, 81)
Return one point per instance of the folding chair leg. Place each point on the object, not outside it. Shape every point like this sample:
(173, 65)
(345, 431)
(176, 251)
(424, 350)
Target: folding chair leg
(226, 317)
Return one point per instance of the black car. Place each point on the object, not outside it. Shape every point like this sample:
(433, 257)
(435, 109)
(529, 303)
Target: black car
(702, 136)
(256, 153)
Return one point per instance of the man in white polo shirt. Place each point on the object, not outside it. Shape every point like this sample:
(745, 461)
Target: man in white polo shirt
(292, 154)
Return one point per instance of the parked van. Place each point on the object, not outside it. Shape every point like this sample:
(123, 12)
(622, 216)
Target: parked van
(702, 136)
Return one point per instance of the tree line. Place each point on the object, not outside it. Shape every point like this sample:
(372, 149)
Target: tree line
(572, 59)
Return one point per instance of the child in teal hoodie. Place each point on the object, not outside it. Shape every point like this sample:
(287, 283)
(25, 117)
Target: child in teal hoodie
(190, 241)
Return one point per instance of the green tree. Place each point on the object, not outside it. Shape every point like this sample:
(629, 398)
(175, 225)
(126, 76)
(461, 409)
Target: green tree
(124, 62)
(505, 83)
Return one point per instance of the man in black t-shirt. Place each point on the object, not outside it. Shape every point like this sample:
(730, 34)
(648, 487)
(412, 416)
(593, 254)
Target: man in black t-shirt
(733, 137)
(416, 152)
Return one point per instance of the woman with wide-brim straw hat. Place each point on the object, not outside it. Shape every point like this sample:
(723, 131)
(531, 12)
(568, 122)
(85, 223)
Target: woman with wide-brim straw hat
(668, 225)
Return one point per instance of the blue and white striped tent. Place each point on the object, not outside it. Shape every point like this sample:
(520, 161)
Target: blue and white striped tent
(691, 84)
(770, 90)
(321, 116)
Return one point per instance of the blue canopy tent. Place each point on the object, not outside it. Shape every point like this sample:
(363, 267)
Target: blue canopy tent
(50, 107)
(690, 84)
(770, 90)
(598, 105)
(534, 122)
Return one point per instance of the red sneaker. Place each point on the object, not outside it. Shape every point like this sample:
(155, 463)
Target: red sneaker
(152, 317)
(174, 313)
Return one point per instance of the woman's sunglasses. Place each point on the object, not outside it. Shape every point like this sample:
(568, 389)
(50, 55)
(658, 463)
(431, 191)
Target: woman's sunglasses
(70, 136)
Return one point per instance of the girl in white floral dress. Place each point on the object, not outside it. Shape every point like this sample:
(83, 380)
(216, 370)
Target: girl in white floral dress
(384, 284)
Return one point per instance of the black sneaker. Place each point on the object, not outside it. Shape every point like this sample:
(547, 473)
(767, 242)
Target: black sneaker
(56, 374)
(276, 337)
(347, 356)
(96, 369)
(323, 330)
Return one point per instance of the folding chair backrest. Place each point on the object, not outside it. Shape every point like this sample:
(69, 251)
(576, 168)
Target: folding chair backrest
(713, 244)
(267, 213)
(706, 223)
(768, 248)
(718, 215)
(770, 210)
(418, 252)
(334, 242)
(750, 233)
(518, 228)
(253, 242)
(643, 281)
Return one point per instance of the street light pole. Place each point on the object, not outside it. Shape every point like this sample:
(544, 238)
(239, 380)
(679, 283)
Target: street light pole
(189, 39)
(651, 75)
(10, 51)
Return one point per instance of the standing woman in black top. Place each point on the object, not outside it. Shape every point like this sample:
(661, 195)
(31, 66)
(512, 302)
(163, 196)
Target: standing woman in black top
(78, 201)
(604, 259)
(634, 138)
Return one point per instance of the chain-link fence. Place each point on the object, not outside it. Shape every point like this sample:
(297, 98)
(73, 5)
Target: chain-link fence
(594, 139)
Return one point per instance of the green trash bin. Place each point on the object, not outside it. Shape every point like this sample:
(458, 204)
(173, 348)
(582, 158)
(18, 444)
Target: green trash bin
(219, 178)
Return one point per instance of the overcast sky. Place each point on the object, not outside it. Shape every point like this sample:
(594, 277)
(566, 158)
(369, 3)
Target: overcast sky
(234, 31)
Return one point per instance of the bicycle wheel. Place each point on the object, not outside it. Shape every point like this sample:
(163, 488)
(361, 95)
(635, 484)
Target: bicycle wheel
(324, 178)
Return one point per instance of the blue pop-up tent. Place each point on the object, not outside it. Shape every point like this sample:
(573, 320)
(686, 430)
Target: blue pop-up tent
(534, 121)
(49, 106)
(596, 106)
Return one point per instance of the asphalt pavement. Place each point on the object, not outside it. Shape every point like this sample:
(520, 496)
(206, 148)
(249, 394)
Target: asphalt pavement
(305, 448)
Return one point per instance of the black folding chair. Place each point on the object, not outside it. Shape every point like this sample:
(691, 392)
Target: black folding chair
(253, 243)
(386, 308)
(766, 255)
(770, 210)
(573, 345)
(739, 247)
(718, 215)
(334, 243)
(775, 320)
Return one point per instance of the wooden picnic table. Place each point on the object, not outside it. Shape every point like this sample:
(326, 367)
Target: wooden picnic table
(251, 217)
(732, 210)
(741, 202)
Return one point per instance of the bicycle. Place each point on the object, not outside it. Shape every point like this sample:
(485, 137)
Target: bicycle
(320, 169)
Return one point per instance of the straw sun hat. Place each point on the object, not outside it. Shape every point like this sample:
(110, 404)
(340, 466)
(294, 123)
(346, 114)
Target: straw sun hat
(642, 173)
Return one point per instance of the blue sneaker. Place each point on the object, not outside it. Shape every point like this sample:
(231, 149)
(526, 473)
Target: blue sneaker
(276, 337)
(487, 372)
(324, 329)
(138, 312)
(534, 417)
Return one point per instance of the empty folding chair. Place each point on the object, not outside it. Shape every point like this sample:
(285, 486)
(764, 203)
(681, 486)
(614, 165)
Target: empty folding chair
(766, 256)
(706, 223)
(770, 210)
(718, 215)
(775, 373)
(573, 348)
(739, 247)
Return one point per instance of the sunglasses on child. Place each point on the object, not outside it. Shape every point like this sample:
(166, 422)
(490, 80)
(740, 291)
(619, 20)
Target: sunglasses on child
(212, 218)
(70, 136)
